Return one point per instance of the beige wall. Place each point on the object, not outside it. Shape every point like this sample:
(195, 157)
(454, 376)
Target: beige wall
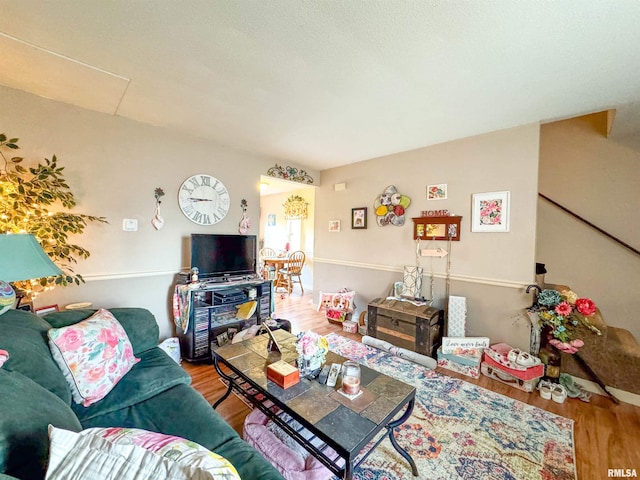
(490, 269)
(599, 179)
(113, 166)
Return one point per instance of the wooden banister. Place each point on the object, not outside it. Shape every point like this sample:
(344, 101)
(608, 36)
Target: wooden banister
(587, 222)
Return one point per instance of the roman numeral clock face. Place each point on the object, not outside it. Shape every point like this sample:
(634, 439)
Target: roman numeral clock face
(204, 199)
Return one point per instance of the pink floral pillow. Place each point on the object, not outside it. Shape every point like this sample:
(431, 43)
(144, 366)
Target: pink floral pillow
(131, 454)
(174, 448)
(93, 354)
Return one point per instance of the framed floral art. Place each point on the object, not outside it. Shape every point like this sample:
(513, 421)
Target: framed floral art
(490, 212)
(437, 192)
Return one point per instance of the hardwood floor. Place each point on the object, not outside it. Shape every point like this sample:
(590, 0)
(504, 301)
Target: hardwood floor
(607, 436)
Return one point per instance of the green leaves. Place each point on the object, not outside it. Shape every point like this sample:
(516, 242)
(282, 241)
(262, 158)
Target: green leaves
(12, 143)
(25, 197)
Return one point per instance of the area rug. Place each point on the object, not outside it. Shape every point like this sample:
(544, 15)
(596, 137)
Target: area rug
(461, 431)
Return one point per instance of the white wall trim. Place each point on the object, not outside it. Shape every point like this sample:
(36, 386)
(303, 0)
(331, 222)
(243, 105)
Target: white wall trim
(95, 277)
(330, 261)
(456, 277)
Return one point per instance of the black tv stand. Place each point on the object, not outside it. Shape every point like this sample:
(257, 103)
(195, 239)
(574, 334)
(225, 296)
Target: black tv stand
(213, 306)
(209, 280)
(229, 279)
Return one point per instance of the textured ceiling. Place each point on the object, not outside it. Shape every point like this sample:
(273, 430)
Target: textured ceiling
(325, 83)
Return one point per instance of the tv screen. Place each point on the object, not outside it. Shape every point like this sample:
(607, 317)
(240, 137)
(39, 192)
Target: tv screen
(219, 255)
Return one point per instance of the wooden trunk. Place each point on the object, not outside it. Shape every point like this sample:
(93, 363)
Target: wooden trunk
(401, 323)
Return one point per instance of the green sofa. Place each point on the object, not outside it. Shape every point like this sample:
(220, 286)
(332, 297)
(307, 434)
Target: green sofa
(155, 395)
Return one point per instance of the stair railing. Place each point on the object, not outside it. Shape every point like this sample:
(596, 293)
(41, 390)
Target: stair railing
(587, 222)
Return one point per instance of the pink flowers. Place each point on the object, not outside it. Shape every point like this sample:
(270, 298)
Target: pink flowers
(307, 346)
(491, 212)
(108, 336)
(563, 308)
(71, 339)
(567, 347)
(311, 344)
(563, 313)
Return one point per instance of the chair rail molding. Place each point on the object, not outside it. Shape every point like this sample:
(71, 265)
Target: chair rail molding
(521, 285)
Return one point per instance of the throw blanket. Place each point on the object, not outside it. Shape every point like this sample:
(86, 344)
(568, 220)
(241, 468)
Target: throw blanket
(400, 352)
(181, 306)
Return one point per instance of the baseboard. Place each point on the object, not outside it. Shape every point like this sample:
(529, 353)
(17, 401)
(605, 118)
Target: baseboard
(622, 395)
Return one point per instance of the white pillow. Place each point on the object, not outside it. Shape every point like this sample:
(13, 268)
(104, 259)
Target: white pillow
(89, 456)
(93, 355)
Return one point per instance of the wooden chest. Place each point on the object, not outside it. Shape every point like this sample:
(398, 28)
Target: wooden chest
(405, 325)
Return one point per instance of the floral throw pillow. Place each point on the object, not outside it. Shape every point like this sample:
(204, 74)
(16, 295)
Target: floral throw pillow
(131, 454)
(93, 354)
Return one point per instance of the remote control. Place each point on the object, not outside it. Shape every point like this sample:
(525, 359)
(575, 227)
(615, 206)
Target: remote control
(333, 375)
(324, 374)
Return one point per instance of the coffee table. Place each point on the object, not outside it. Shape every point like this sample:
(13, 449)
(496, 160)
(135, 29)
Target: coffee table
(339, 432)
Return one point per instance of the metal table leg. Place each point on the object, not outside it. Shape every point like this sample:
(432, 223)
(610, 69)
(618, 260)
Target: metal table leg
(229, 387)
(391, 426)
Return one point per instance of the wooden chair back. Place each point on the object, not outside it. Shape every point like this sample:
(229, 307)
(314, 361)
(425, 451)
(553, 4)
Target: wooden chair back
(267, 252)
(295, 262)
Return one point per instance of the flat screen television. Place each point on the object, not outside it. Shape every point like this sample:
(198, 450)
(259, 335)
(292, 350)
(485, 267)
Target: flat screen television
(219, 255)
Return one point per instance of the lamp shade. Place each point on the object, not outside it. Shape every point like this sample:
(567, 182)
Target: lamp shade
(22, 258)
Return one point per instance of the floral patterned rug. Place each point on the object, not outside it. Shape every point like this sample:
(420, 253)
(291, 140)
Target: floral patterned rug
(459, 430)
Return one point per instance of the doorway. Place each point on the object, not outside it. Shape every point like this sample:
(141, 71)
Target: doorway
(287, 234)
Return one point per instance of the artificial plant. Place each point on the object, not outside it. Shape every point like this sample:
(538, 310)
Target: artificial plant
(37, 200)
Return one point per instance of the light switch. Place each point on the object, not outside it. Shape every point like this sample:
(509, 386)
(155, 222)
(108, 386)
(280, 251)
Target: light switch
(130, 225)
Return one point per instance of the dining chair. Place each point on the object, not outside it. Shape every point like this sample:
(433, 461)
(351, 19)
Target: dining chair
(265, 252)
(292, 270)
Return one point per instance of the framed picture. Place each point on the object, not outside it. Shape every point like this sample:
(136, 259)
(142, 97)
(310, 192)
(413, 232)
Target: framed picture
(48, 309)
(271, 220)
(334, 225)
(437, 228)
(490, 212)
(359, 217)
(437, 192)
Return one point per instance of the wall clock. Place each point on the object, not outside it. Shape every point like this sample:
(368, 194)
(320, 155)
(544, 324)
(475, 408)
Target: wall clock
(203, 199)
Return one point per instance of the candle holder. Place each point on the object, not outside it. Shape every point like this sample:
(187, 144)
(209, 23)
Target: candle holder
(350, 378)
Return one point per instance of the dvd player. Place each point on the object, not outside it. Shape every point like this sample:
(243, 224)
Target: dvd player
(229, 295)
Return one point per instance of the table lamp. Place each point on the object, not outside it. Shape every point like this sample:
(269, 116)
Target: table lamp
(21, 258)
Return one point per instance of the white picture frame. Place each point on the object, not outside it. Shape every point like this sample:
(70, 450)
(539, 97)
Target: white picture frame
(490, 212)
(334, 225)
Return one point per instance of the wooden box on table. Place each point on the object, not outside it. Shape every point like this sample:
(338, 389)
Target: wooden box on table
(283, 374)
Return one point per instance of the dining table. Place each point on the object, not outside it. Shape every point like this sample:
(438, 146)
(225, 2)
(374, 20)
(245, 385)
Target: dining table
(273, 273)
